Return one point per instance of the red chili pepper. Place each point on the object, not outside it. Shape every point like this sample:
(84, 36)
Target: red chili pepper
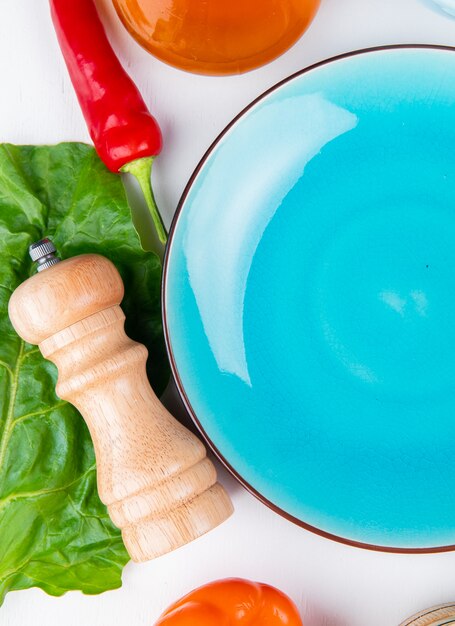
(126, 136)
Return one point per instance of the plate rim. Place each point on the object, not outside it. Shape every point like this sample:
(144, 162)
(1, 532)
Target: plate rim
(180, 388)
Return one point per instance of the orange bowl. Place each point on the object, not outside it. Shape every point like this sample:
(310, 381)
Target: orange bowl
(216, 36)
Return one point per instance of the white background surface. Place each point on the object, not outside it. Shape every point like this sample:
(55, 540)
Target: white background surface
(333, 585)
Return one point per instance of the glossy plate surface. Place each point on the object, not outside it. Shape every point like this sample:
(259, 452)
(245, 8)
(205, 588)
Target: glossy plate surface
(309, 298)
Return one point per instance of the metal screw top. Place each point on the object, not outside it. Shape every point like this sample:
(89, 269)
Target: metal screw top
(43, 252)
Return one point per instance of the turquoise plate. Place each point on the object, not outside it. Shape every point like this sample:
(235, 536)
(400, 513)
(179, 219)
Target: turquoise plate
(309, 298)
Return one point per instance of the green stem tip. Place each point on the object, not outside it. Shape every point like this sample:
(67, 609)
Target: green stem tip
(141, 169)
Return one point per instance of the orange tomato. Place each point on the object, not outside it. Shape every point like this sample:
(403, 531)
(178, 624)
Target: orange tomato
(232, 602)
(216, 36)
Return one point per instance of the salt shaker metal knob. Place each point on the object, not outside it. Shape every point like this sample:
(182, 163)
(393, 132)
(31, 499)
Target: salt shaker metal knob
(43, 252)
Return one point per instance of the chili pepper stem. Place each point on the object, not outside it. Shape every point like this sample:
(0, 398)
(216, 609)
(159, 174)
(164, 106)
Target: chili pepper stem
(141, 169)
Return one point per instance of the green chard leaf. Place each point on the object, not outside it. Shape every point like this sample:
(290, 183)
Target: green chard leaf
(54, 531)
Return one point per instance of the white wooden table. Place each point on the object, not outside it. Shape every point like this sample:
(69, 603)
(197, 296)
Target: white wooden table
(334, 585)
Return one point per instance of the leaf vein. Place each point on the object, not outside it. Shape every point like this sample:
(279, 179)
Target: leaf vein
(12, 401)
(7, 367)
(44, 492)
(26, 416)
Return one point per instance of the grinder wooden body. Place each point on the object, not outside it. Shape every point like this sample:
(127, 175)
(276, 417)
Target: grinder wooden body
(153, 474)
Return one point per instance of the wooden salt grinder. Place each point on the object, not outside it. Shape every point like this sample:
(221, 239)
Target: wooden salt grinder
(153, 474)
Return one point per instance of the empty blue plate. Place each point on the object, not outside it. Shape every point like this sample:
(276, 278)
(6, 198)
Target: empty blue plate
(309, 298)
